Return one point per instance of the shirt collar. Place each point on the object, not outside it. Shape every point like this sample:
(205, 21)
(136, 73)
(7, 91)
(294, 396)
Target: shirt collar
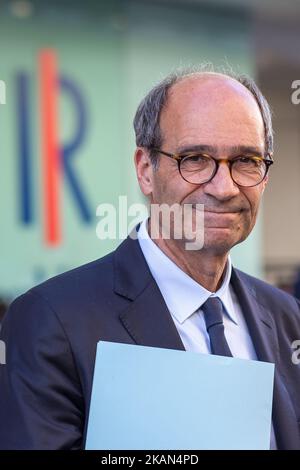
(182, 294)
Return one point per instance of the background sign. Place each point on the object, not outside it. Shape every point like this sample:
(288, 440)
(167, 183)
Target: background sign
(73, 81)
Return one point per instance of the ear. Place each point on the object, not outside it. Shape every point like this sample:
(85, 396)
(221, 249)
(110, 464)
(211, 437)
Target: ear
(144, 170)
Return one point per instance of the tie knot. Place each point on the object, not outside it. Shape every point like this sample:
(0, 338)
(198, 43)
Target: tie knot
(213, 312)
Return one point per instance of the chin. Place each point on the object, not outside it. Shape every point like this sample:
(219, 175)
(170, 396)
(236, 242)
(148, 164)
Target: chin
(219, 243)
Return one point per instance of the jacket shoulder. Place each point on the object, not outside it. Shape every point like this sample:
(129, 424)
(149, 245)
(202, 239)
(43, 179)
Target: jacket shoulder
(78, 281)
(267, 294)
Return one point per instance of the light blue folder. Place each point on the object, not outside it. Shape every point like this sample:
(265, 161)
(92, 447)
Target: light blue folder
(151, 398)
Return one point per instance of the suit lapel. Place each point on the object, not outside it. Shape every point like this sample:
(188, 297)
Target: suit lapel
(263, 334)
(149, 322)
(147, 318)
(259, 319)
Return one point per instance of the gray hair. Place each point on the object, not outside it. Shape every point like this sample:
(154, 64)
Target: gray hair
(146, 121)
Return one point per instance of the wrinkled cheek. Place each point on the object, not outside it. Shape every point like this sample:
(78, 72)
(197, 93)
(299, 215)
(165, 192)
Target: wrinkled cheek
(251, 219)
(162, 192)
(245, 226)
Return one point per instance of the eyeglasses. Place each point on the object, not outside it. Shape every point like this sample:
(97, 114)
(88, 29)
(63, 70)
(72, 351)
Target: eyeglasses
(198, 168)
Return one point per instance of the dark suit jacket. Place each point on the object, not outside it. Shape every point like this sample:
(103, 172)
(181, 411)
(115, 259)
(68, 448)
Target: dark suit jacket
(51, 334)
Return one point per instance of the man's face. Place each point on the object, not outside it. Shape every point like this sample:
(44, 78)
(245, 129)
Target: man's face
(220, 113)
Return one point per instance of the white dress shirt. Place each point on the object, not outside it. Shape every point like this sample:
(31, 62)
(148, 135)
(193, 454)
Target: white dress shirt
(184, 298)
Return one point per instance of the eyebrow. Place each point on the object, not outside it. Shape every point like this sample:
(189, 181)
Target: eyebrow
(229, 150)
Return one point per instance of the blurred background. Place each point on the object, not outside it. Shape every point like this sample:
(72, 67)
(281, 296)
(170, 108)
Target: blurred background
(104, 56)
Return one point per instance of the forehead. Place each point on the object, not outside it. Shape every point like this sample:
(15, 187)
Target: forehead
(211, 109)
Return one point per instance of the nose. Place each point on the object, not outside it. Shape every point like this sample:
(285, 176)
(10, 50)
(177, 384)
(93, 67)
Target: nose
(222, 186)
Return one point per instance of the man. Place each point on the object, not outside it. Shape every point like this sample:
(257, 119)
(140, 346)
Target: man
(202, 138)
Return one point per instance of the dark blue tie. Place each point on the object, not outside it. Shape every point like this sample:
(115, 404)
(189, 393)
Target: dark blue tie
(213, 316)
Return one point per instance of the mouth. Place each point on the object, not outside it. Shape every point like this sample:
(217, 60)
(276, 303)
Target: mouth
(216, 211)
(222, 212)
(221, 219)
